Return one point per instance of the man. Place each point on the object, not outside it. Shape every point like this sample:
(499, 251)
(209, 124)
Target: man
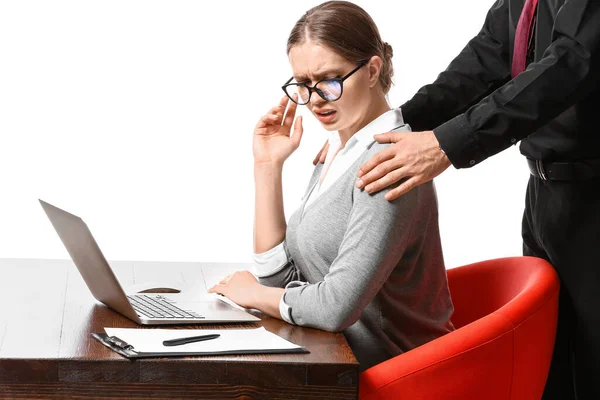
(531, 74)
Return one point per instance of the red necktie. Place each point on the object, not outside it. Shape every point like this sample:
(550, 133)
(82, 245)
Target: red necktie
(522, 37)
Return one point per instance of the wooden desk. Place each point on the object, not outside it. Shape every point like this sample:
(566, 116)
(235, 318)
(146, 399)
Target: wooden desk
(46, 350)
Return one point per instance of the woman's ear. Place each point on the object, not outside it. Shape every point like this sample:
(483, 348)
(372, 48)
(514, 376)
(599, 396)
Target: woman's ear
(374, 68)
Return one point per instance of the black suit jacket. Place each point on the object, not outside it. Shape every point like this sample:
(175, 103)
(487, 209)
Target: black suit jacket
(476, 110)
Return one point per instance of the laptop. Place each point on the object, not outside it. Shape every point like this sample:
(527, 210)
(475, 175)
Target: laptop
(145, 309)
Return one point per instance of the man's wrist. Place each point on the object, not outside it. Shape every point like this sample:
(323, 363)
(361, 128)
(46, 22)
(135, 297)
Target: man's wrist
(436, 142)
(459, 143)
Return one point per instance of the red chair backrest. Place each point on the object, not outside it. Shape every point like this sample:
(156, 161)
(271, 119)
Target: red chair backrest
(505, 314)
(480, 289)
(523, 291)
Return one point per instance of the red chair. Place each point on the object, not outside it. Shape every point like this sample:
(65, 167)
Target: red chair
(505, 317)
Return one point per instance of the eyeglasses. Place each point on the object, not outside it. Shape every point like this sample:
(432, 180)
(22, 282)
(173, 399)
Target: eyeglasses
(329, 89)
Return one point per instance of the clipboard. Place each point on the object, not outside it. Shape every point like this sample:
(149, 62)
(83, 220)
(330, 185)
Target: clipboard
(128, 350)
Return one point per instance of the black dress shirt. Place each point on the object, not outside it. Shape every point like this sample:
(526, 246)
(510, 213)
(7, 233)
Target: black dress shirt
(476, 110)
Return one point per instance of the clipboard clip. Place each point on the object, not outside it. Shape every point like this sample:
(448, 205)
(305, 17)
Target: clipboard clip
(121, 344)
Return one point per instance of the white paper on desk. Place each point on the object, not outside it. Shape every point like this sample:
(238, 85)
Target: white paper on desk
(150, 340)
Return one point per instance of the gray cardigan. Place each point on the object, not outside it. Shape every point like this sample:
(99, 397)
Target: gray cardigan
(374, 268)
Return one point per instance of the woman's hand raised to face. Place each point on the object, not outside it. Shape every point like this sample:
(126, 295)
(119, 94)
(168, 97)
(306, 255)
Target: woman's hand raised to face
(272, 141)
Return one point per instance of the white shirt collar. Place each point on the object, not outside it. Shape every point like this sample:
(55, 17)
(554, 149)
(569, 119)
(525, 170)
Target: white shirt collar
(384, 123)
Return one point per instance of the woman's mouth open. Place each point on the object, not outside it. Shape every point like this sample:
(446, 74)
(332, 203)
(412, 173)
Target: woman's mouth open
(326, 116)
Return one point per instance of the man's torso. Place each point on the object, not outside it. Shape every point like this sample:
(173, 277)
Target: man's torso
(572, 135)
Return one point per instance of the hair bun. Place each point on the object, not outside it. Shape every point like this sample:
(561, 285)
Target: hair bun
(388, 51)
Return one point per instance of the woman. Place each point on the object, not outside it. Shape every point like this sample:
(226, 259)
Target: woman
(347, 261)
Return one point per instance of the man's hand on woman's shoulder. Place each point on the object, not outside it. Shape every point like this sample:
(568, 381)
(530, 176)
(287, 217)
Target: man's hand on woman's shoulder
(320, 158)
(415, 157)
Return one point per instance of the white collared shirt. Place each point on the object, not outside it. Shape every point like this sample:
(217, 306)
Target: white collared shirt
(273, 260)
(355, 146)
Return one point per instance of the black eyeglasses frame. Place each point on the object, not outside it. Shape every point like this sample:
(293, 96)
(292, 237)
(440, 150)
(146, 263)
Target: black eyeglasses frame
(312, 89)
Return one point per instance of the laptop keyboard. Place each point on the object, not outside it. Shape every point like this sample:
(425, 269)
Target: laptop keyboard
(159, 307)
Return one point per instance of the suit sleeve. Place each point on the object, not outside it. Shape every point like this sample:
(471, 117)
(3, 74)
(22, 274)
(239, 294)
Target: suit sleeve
(567, 72)
(481, 67)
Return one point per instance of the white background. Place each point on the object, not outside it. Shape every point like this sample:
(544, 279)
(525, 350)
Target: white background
(138, 116)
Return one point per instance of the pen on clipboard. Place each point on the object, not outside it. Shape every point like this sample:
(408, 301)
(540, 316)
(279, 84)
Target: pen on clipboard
(191, 339)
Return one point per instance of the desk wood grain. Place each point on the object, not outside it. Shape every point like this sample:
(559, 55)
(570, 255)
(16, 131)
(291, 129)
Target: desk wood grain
(46, 351)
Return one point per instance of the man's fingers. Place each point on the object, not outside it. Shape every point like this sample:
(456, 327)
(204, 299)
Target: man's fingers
(403, 188)
(320, 155)
(389, 137)
(376, 173)
(324, 153)
(316, 160)
(377, 159)
(387, 180)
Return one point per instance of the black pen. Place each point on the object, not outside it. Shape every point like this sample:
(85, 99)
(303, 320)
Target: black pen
(192, 339)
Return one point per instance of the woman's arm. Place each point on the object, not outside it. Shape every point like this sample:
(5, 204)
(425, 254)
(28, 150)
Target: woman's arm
(272, 145)
(380, 233)
(242, 288)
(269, 217)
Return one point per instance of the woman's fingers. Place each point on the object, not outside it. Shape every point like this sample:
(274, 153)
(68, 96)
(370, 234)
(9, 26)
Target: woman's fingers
(220, 289)
(225, 280)
(298, 130)
(283, 102)
(269, 119)
(274, 115)
(279, 109)
(289, 116)
(266, 120)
